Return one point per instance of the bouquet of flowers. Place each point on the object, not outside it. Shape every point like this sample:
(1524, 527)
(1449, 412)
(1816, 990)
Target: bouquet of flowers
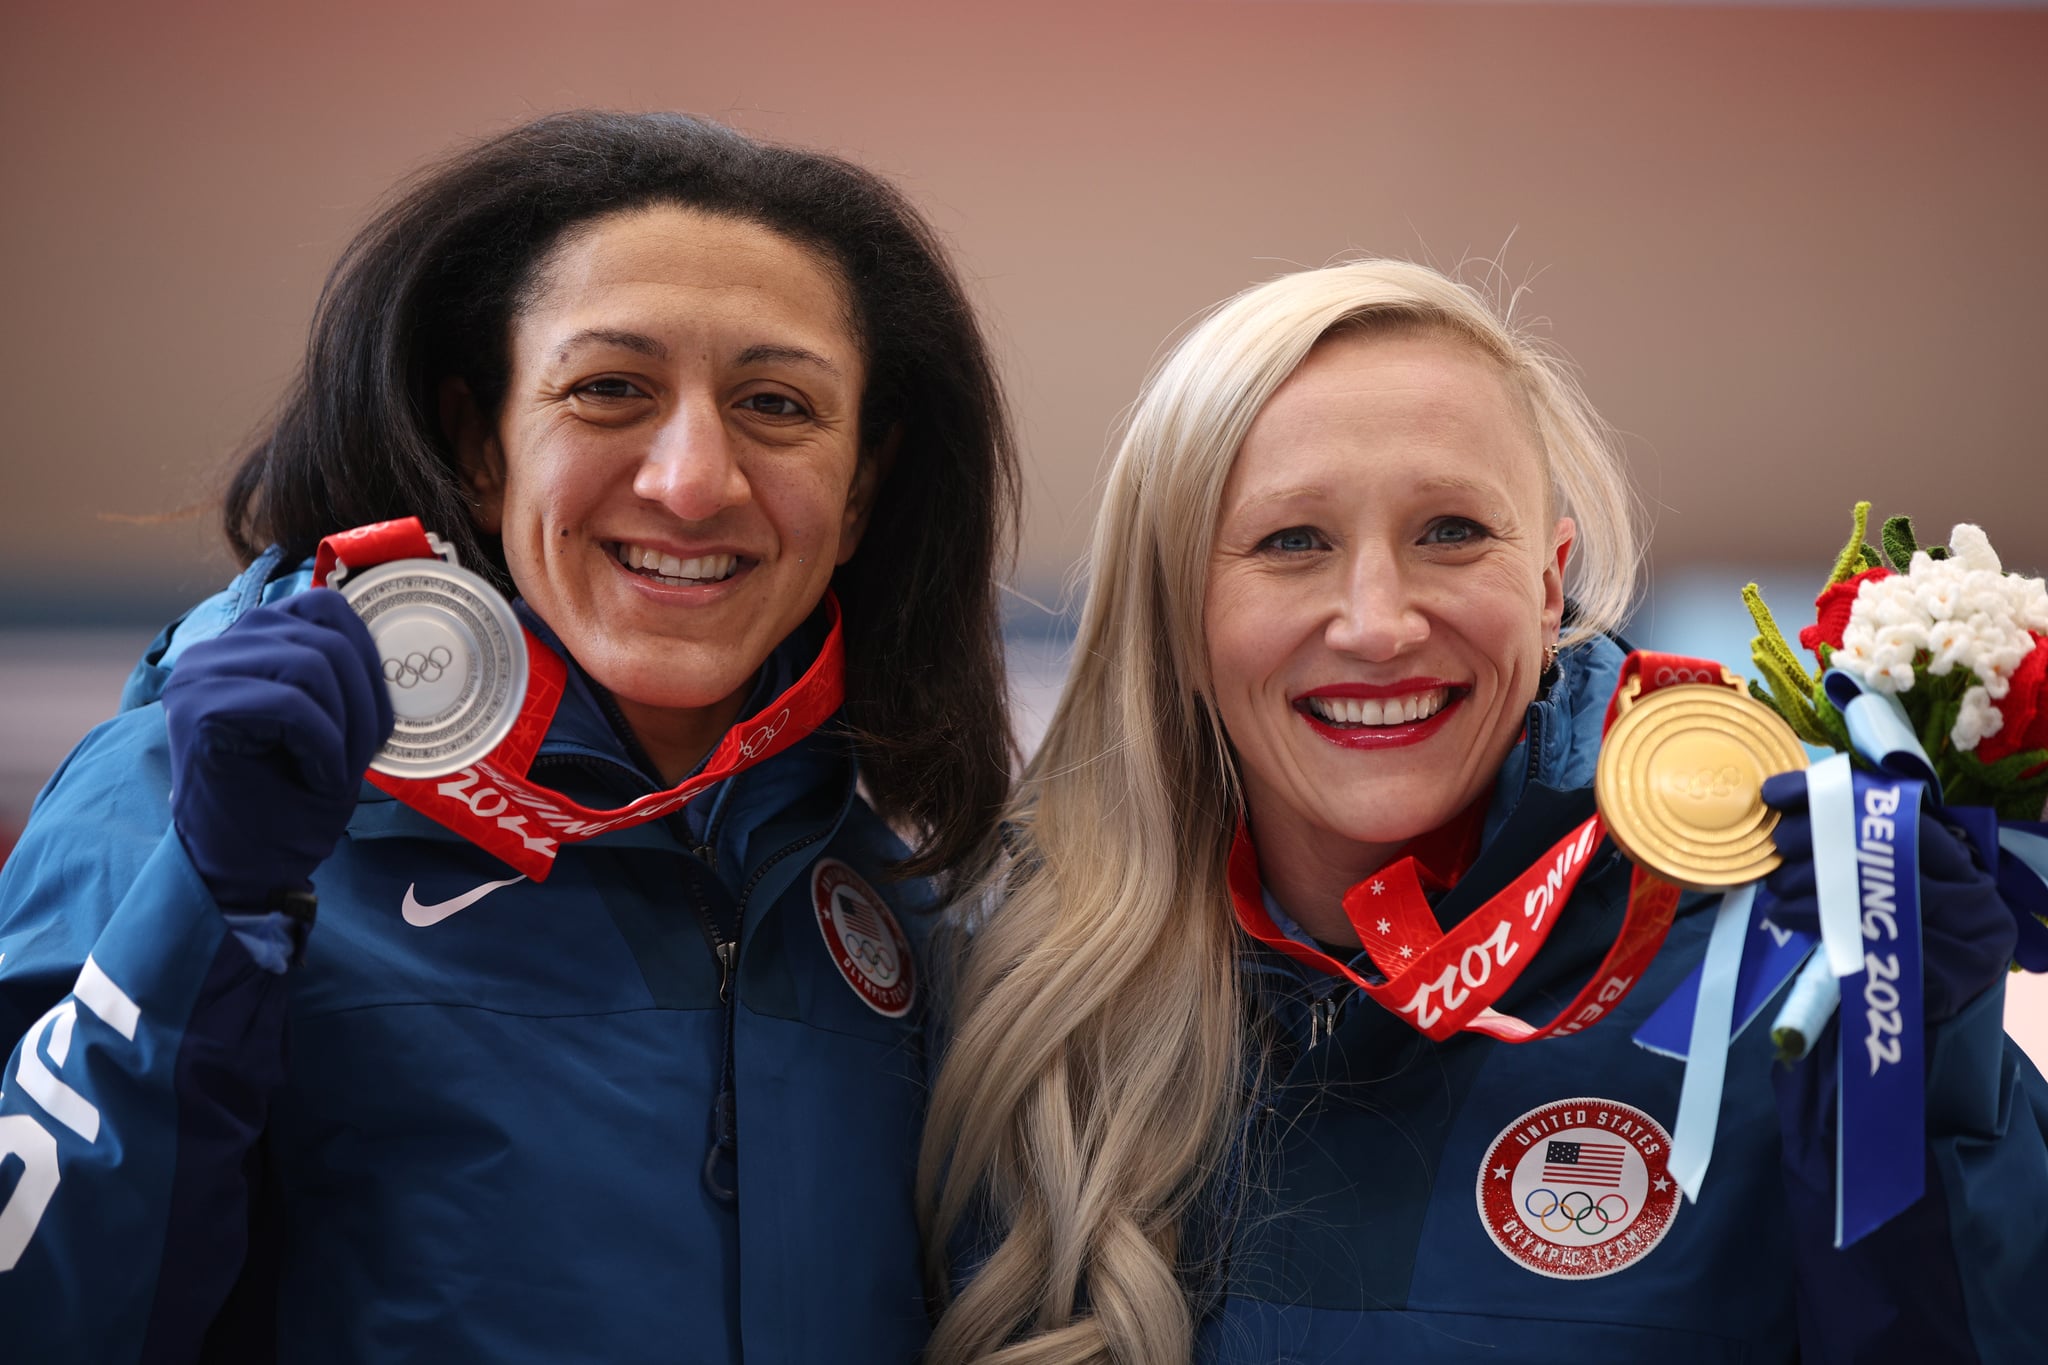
(1933, 691)
(1960, 642)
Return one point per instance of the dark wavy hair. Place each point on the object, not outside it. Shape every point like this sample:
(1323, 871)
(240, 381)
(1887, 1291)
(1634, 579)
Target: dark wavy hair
(428, 289)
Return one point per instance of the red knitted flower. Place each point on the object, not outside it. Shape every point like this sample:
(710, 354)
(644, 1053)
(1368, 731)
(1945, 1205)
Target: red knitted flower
(1832, 610)
(2025, 708)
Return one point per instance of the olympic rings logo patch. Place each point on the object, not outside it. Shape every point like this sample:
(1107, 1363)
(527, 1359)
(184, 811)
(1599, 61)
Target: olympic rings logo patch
(1578, 1188)
(864, 940)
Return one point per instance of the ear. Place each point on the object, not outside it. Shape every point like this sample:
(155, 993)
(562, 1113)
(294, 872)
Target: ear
(869, 475)
(1553, 579)
(478, 453)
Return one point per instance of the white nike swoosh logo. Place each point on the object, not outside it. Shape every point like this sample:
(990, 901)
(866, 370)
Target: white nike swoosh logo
(424, 915)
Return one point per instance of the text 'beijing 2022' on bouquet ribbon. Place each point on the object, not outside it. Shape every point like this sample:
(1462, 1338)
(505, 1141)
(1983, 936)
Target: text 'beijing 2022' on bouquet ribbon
(1932, 691)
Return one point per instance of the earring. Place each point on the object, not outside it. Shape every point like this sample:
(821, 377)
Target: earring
(1549, 657)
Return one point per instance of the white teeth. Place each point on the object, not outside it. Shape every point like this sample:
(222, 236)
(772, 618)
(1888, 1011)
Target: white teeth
(1375, 711)
(669, 569)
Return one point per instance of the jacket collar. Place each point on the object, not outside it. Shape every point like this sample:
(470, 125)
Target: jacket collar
(1560, 743)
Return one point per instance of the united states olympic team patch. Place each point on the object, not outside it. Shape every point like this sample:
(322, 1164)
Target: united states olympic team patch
(863, 938)
(1578, 1188)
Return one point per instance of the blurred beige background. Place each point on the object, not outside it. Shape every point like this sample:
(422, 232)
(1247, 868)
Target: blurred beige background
(1796, 249)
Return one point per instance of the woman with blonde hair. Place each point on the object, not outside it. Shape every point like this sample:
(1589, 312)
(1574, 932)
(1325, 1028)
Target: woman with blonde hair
(1332, 707)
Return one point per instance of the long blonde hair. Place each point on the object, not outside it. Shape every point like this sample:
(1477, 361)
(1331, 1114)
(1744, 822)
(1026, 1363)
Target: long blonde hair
(1096, 1063)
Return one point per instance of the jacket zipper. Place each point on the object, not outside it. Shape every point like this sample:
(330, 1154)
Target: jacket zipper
(720, 1159)
(724, 946)
(1322, 1019)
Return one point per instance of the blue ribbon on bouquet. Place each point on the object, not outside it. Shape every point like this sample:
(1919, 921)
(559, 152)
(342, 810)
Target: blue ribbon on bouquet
(1866, 864)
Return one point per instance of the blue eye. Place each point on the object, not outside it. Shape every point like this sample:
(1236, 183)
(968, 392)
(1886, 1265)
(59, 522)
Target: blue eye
(1454, 531)
(1294, 540)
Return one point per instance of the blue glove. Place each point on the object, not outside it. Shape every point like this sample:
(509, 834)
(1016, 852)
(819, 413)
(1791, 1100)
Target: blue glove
(271, 726)
(1967, 933)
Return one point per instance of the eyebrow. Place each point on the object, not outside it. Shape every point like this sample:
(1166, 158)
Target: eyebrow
(1457, 483)
(654, 347)
(639, 342)
(795, 355)
(1299, 493)
(1433, 483)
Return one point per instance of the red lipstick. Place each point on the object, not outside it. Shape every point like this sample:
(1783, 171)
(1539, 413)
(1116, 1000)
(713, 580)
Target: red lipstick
(1371, 737)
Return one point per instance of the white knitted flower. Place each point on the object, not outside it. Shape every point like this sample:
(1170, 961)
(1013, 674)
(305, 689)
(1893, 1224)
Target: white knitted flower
(1978, 720)
(1943, 614)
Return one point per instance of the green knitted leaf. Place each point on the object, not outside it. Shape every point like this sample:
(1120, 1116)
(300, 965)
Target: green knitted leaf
(1770, 641)
(1828, 721)
(2027, 800)
(2012, 769)
(1937, 552)
(1899, 543)
(1850, 562)
(1943, 705)
(1788, 698)
(1871, 558)
(1787, 685)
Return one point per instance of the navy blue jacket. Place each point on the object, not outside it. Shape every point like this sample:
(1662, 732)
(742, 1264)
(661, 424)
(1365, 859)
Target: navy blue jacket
(482, 1133)
(1354, 1224)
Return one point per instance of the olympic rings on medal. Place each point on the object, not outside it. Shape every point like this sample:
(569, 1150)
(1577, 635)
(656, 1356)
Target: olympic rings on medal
(417, 668)
(1560, 1207)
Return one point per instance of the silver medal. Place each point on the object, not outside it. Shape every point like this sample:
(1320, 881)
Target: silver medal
(454, 660)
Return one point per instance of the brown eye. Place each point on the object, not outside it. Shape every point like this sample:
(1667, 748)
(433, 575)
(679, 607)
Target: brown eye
(609, 390)
(774, 405)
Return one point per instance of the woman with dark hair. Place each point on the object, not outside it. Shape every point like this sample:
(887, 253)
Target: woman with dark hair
(635, 1088)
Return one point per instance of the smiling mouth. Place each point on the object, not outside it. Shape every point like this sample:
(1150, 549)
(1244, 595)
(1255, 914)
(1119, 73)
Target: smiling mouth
(671, 571)
(1364, 713)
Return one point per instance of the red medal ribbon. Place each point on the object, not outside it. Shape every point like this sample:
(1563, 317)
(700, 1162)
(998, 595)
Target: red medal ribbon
(370, 545)
(496, 806)
(1442, 982)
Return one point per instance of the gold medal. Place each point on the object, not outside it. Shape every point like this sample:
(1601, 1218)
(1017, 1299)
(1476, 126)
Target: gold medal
(1680, 783)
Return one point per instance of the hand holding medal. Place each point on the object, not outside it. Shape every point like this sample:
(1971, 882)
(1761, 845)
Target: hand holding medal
(273, 724)
(1682, 770)
(1933, 678)
(451, 653)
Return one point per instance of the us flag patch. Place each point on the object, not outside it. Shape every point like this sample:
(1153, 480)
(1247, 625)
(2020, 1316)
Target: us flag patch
(863, 939)
(1579, 1188)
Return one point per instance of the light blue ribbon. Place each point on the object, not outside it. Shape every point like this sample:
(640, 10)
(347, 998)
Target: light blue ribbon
(1831, 802)
(1880, 730)
(1706, 1067)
